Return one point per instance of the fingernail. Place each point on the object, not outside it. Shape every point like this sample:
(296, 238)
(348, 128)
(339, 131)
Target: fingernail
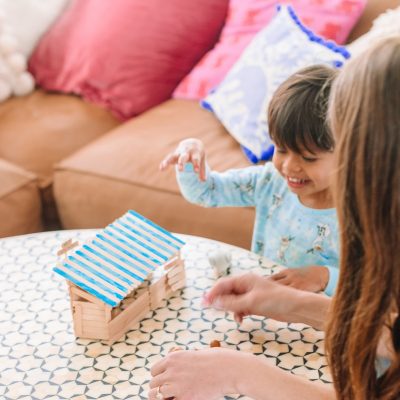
(205, 302)
(217, 304)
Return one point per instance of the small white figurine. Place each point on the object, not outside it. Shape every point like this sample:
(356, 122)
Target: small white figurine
(220, 260)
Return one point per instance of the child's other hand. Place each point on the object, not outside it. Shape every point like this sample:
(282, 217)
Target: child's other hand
(189, 150)
(196, 374)
(312, 279)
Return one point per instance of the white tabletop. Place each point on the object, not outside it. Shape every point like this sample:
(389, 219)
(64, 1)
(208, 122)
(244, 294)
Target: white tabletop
(40, 358)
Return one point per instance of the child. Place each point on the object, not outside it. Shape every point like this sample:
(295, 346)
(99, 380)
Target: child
(295, 222)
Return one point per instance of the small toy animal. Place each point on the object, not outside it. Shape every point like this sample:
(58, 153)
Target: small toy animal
(220, 260)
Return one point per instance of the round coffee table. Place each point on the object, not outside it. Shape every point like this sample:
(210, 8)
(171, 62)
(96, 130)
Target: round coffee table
(40, 358)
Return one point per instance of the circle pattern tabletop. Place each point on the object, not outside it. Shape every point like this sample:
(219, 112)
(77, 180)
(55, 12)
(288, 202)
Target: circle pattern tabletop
(40, 358)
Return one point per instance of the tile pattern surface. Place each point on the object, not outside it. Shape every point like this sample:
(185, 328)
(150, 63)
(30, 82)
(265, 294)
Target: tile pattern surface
(41, 359)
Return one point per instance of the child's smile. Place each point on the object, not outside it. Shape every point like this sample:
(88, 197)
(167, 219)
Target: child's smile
(308, 175)
(296, 183)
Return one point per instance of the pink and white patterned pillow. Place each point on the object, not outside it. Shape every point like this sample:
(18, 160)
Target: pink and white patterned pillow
(331, 19)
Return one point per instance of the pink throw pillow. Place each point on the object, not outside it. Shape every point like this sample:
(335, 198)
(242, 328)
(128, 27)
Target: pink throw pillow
(126, 55)
(332, 19)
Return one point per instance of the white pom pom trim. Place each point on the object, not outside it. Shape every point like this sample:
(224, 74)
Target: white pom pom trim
(24, 84)
(14, 79)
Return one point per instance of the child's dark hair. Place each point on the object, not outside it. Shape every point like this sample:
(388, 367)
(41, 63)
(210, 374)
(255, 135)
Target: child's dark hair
(297, 113)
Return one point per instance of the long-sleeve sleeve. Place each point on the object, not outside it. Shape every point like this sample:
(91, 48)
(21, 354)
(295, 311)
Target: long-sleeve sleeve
(333, 280)
(236, 187)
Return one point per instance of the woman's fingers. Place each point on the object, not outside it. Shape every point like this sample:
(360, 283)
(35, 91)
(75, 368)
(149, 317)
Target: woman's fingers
(161, 381)
(238, 317)
(278, 276)
(164, 390)
(157, 381)
(222, 287)
(152, 395)
(232, 302)
(285, 281)
(159, 367)
(233, 285)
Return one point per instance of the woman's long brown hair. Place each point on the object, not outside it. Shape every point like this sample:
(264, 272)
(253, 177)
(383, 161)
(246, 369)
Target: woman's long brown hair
(365, 119)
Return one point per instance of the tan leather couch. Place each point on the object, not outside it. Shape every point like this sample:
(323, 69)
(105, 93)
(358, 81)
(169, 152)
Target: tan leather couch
(64, 162)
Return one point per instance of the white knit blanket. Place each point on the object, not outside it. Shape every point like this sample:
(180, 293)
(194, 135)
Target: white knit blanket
(22, 23)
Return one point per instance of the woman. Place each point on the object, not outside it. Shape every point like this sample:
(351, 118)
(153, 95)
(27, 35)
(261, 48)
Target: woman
(363, 327)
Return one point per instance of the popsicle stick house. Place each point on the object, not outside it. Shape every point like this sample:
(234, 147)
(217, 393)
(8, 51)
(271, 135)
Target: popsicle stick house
(117, 277)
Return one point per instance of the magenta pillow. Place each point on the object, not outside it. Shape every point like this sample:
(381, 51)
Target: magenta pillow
(126, 55)
(332, 19)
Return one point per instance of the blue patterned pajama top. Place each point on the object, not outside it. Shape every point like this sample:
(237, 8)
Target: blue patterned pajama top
(285, 231)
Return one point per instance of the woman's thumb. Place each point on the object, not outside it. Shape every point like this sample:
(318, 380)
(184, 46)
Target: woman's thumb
(230, 302)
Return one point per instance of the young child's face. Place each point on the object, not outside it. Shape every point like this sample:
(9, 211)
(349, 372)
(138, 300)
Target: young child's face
(309, 175)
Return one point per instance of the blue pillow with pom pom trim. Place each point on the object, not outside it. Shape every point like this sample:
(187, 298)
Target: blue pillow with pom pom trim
(240, 102)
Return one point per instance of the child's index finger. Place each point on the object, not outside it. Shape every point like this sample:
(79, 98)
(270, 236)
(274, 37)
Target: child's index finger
(202, 172)
(182, 160)
(195, 165)
(196, 162)
(164, 163)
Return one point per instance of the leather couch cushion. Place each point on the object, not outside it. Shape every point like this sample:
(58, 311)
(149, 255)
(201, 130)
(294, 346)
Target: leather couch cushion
(20, 206)
(120, 171)
(372, 10)
(40, 129)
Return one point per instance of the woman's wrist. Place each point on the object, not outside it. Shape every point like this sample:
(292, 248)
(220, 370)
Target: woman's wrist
(242, 373)
(288, 304)
(264, 381)
(309, 308)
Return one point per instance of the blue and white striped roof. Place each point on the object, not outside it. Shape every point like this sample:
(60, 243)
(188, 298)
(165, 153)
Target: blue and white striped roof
(119, 258)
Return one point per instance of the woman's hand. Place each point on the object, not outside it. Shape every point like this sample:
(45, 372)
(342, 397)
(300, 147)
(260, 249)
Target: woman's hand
(197, 374)
(313, 278)
(189, 150)
(251, 294)
(212, 373)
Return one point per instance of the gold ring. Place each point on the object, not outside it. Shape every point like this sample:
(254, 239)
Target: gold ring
(159, 396)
